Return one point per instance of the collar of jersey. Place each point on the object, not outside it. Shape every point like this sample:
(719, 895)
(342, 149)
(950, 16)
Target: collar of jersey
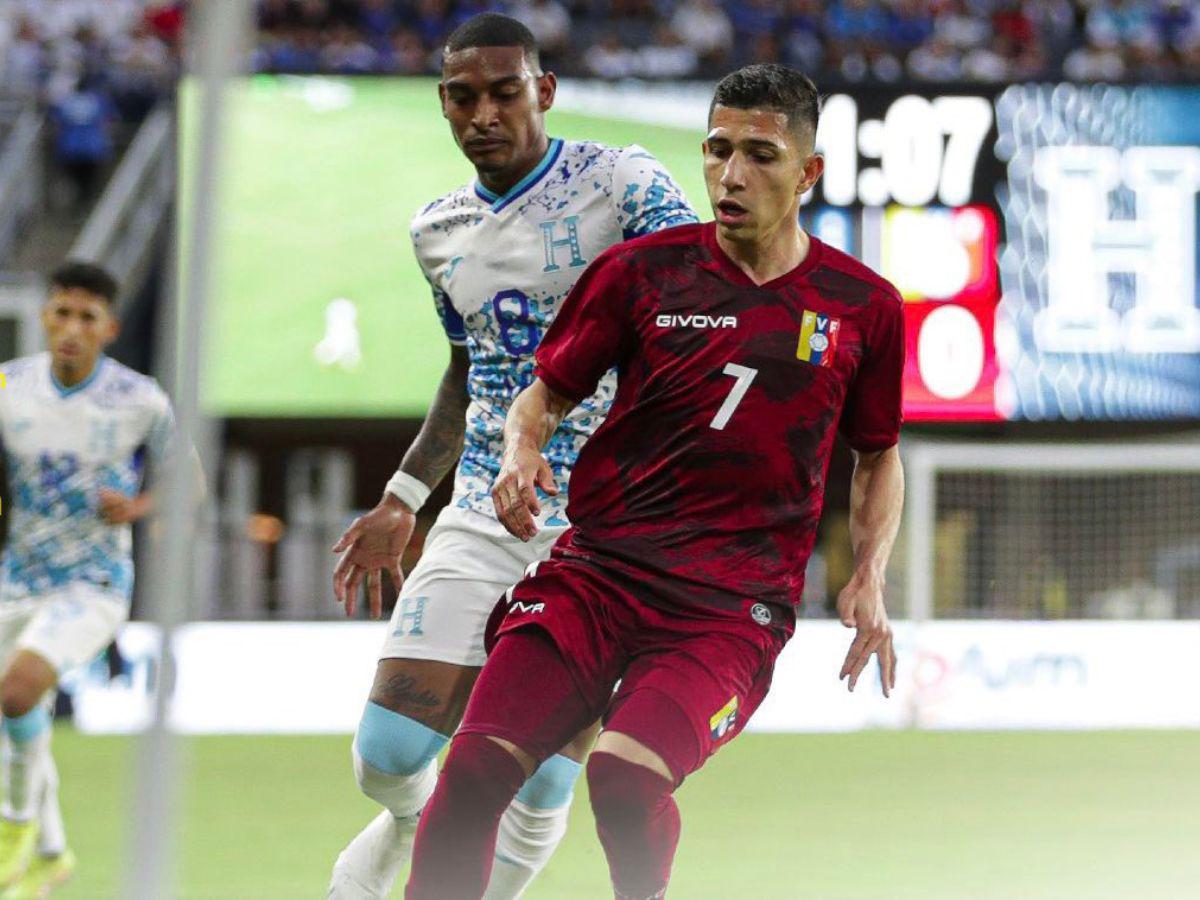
(64, 391)
(522, 186)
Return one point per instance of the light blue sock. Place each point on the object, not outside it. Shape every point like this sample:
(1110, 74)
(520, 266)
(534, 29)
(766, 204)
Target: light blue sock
(396, 744)
(552, 784)
(532, 827)
(28, 758)
(23, 729)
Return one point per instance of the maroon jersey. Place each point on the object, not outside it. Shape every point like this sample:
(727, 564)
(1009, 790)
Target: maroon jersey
(705, 483)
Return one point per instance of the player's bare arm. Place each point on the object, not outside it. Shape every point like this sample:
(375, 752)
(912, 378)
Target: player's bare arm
(375, 541)
(533, 418)
(117, 508)
(876, 500)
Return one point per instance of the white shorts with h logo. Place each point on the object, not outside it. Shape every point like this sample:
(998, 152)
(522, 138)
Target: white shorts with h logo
(469, 561)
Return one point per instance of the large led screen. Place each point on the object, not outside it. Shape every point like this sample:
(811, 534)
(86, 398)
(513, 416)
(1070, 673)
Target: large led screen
(1043, 238)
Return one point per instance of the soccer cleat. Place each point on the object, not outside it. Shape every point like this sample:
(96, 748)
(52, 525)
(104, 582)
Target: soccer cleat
(17, 843)
(45, 873)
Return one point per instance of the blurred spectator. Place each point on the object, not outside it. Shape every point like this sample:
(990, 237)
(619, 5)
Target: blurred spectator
(855, 22)
(957, 27)
(83, 120)
(609, 58)
(879, 40)
(803, 35)
(550, 24)
(1093, 62)
(704, 26)
(347, 53)
(667, 56)
(935, 60)
(909, 25)
(753, 18)
(377, 20)
(25, 60)
(432, 21)
(143, 71)
(408, 55)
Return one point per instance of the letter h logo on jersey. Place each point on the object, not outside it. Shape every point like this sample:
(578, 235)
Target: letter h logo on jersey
(412, 612)
(818, 338)
(550, 244)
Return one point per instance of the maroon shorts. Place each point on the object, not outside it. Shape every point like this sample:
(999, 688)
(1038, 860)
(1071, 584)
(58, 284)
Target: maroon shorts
(686, 680)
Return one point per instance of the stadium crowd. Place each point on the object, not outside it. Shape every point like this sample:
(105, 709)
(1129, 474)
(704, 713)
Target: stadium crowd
(855, 40)
(94, 66)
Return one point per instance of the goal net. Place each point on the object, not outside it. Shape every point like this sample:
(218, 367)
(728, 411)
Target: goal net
(1051, 531)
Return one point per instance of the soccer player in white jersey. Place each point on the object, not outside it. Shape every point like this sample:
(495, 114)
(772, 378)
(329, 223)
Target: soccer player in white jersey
(500, 254)
(74, 425)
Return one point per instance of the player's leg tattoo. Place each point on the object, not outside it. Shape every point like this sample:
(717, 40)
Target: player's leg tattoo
(414, 706)
(431, 692)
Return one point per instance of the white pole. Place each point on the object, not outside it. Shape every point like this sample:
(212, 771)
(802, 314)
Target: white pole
(921, 515)
(217, 31)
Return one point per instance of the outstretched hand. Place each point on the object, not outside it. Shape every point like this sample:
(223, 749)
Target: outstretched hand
(372, 544)
(116, 508)
(860, 606)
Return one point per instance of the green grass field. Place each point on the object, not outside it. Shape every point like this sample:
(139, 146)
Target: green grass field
(320, 180)
(834, 817)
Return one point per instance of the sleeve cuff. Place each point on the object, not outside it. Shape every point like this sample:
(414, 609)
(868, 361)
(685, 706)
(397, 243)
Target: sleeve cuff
(559, 385)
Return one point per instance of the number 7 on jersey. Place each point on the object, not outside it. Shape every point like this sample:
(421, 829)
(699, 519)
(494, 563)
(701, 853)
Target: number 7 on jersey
(744, 375)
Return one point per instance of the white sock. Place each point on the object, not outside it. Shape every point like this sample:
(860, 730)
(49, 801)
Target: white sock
(527, 839)
(25, 775)
(52, 834)
(368, 867)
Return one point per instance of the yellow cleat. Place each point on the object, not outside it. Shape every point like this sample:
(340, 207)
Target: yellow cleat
(45, 873)
(17, 843)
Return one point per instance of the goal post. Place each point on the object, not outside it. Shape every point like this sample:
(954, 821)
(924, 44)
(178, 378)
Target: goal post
(1063, 530)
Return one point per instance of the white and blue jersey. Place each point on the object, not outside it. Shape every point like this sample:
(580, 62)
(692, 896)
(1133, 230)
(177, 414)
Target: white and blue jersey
(61, 446)
(500, 267)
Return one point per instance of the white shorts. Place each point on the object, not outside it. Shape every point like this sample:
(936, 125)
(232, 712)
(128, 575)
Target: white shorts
(468, 563)
(67, 627)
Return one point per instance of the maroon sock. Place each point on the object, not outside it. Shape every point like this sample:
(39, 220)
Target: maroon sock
(638, 823)
(456, 840)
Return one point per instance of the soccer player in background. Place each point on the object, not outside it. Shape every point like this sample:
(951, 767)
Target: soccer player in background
(742, 347)
(500, 254)
(74, 425)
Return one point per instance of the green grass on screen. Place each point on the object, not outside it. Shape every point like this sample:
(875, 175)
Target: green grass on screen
(870, 816)
(320, 179)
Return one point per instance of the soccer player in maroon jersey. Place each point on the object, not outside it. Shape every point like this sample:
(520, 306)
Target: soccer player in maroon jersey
(742, 347)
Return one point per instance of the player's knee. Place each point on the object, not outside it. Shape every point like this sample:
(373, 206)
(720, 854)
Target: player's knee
(394, 759)
(479, 766)
(552, 785)
(19, 695)
(621, 791)
(395, 744)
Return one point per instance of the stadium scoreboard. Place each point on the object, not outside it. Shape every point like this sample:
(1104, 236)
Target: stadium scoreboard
(1043, 237)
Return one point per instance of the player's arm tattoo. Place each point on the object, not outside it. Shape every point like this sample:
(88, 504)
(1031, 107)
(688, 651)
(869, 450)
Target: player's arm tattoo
(440, 440)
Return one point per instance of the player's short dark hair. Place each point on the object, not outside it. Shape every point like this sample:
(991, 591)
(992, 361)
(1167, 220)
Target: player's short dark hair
(773, 87)
(493, 30)
(86, 276)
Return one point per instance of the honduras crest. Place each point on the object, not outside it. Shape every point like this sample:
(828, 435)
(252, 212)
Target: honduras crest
(818, 338)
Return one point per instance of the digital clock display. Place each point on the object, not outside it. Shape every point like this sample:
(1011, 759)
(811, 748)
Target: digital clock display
(1043, 237)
